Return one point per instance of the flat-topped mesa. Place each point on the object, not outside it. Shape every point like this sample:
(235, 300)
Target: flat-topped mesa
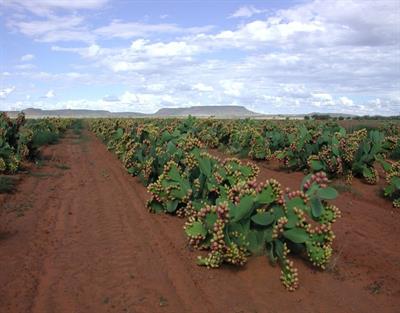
(204, 110)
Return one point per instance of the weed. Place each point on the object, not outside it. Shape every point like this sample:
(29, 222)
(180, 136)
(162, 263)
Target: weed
(104, 173)
(376, 287)
(44, 175)
(45, 138)
(7, 184)
(80, 140)
(39, 163)
(62, 166)
(77, 127)
(163, 301)
(342, 187)
(18, 209)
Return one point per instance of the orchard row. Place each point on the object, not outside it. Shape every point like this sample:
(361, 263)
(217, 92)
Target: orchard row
(303, 145)
(20, 139)
(228, 212)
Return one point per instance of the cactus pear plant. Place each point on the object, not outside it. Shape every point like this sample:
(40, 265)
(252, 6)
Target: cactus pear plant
(231, 215)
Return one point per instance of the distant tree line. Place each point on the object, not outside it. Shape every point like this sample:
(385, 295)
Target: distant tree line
(340, 118)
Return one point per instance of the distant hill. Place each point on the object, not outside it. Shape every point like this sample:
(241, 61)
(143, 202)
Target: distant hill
(38, 113)
(225, 111)
(218, 111)
(205, 111)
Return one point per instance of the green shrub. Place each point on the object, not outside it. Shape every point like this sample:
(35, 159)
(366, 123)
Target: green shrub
(43, 138)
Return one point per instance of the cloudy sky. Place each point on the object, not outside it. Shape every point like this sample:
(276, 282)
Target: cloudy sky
(272, 56)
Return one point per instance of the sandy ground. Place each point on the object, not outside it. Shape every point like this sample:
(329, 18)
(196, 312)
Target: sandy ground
(79, 239)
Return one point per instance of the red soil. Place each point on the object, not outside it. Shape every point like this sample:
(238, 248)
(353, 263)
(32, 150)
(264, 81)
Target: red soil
(86, 243)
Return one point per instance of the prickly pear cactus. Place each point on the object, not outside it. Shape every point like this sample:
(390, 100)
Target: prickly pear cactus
(229, 214)
(392, 189)
(261, 218)
(19, 139)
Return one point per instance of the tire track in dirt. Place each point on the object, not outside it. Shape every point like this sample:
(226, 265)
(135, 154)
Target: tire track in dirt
(103, 212)
(34, 232)
(167, 235)
(161, 244)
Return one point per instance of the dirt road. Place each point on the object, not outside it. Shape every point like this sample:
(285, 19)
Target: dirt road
(76, 237)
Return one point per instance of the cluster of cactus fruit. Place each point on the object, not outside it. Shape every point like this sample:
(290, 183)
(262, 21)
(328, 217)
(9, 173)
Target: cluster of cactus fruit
(248, 142)
(392, 188)
(302, 144)
(347, 155)
(339, 154)
(9, 137)
(228, 213)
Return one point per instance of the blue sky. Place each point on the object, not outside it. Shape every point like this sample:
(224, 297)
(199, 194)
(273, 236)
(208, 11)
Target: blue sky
(270, 56)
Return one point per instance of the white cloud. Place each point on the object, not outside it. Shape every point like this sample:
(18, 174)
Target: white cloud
(88, 52)
(155, 88)
(56, 28)
(141, 55)
(202, 87)
(259, 33)
(43, 26)
(322, 100)
(144, 102)
(231, 88)
(171, 49)
(27, 57)
(346, 102)
(50, 94)
(72, 75)
(67, 35)
(53, 28)
(325, 97)
(25, 66)
(294, 90)
(110, 98)
(128, 30)
(128, 97)
(6, 91)
(62, 77)
(93, 50)
(122, 66)
(120, 29)
(45, 7)
(160, 49)
(246, 11)
(317, 24)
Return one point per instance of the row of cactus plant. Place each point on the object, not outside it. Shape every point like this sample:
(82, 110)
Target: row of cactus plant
(305, 145)
(317, 147)
(228, 212)
(351, 155)
(21, 138)
(309, 146)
